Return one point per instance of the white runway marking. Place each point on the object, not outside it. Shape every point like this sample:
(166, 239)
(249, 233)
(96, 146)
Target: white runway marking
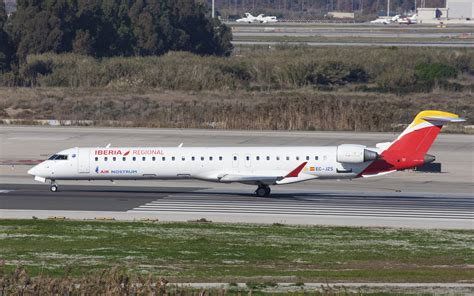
(369, 206)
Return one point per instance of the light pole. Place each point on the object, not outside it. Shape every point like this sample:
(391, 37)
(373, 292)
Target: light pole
(388, 7)
(213, 9)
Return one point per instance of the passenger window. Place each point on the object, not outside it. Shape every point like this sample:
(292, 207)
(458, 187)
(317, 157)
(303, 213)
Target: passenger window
(315, 158)
(220, 157)
(143, 158)
(96, 159)
(153, 158)
(114, 158)
(307, 157)
(173, 158)
(268, 157)
(248, 157)
(278, 157)
(235, 157)
(163, 158)
(287, 158)
(210, 158)
(134, 158)
(105, 158)
(183, 158)
(124, 158)
(202, 158)
(192, 158)
(258, 157)
(297, 158)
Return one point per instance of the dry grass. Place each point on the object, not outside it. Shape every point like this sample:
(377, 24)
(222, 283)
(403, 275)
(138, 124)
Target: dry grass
(304, 109)
(107, 282)
(388, 69)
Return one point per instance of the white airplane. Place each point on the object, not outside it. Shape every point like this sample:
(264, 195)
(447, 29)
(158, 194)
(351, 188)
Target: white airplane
(386, 20)
(408, 20)
(267, 19)
(249, 18)
(260, 166)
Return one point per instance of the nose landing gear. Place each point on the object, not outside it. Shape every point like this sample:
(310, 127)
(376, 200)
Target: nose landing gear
(263, 190)
(54, 186)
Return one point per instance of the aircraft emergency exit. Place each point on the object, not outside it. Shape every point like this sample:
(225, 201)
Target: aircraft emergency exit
(260, 166)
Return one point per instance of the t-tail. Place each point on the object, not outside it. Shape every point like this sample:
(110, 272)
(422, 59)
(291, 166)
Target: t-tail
(410, 149)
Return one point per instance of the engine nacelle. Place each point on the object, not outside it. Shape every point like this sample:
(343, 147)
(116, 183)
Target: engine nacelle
(350, 153)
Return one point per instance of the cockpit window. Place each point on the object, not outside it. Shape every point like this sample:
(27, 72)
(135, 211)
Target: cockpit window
(58, 157)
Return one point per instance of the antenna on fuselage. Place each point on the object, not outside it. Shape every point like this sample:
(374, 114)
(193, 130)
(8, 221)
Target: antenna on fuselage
(180, 145)
(108, 146)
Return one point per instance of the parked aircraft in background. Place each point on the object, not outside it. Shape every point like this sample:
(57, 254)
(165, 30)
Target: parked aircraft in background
(260, 166)
(249, 18)
(267, 19)
(408, 20)
(386, 20)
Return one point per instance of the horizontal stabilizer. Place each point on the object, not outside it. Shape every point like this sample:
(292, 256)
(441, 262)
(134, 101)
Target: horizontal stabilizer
(443, 119)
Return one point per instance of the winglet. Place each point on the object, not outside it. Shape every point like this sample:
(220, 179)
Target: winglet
(294, 173)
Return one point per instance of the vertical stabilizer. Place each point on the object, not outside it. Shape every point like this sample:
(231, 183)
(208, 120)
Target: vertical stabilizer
(410, 148)
(421, 133)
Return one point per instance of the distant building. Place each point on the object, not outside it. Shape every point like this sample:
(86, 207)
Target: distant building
(460, 9)
(429, 15)
(456, 11)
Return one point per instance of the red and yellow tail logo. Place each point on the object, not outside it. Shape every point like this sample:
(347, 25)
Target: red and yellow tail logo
(410, 148)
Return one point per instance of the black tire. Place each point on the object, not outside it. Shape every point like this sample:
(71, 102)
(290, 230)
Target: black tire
(267, 191)
(261, 191)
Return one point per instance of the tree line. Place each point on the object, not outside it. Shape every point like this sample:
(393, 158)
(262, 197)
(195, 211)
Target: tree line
(109, 28)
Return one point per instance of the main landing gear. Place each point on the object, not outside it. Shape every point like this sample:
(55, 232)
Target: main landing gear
(54, 186)
(263, 190)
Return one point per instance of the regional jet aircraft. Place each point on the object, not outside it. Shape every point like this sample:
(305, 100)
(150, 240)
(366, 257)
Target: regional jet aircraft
(260, 166)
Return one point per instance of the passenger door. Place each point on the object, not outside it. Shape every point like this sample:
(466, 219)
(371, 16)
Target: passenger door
(83, 160)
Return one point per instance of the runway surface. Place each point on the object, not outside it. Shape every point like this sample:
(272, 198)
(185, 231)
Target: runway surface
(367, 43)
(284, 206)
(353, 35)
(403, 199)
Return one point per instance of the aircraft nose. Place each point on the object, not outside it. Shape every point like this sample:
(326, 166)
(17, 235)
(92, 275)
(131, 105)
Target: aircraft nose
(33, 171)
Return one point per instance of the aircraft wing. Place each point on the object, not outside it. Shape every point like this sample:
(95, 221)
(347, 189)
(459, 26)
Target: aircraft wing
(264, 179)
(249, 179)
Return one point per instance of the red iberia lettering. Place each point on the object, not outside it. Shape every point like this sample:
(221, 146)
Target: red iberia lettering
(108, 152)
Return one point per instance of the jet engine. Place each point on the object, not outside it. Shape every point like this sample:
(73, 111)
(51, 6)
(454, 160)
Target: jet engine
(349, 153)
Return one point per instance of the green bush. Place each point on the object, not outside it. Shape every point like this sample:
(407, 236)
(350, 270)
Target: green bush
(435, 71)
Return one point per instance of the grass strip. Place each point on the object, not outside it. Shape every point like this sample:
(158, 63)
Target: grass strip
(202, 252)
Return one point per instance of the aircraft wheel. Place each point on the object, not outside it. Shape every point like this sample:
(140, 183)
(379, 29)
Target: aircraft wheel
(263, 191)
(54, 188)
(267, 191)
